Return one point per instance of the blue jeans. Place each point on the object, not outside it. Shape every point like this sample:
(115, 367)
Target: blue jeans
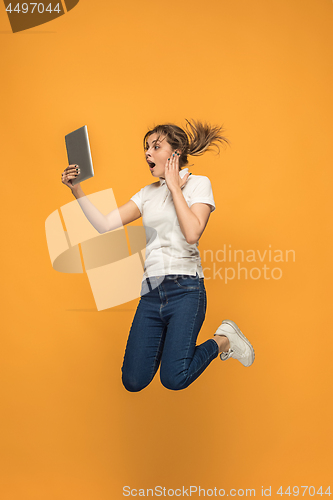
(164, 332)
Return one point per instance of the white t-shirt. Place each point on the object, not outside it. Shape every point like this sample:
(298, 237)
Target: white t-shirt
(167, 251)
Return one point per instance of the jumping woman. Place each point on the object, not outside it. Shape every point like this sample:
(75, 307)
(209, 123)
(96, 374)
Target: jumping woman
(175, 211)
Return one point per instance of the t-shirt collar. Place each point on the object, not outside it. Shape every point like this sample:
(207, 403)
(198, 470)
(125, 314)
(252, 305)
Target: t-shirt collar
(182, 172)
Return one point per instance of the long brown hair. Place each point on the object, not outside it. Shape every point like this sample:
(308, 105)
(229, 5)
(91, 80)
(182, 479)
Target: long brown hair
(195, 141)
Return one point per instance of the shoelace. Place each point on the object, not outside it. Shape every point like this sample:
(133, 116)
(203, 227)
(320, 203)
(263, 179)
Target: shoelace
(226, 355)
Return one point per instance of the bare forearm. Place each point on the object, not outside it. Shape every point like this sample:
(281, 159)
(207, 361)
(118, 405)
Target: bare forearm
(101, 222)
(77, 191)
(188, 222)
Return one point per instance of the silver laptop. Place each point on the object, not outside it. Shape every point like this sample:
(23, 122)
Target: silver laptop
(78, 152)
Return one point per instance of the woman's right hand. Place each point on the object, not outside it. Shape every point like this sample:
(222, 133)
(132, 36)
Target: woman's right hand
(70, 173)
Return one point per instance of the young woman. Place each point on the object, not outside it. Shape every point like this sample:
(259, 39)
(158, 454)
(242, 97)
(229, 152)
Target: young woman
(175, 211)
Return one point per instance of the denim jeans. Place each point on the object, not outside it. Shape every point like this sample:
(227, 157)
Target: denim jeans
(164, 333)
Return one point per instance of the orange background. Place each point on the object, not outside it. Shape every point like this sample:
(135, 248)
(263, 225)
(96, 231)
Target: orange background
(263, 70)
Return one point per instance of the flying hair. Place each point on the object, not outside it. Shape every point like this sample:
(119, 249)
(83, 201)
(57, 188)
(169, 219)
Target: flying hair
(198, 138)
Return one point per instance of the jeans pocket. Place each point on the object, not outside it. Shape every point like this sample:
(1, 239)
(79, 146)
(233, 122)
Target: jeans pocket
(187, 282)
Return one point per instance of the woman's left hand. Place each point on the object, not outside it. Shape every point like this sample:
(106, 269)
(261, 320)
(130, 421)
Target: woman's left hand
(172, 177)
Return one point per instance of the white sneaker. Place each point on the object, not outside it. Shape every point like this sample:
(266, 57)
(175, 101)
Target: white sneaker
(240, 347)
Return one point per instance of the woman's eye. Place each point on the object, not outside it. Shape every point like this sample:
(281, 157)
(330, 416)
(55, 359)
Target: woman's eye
(156, 147)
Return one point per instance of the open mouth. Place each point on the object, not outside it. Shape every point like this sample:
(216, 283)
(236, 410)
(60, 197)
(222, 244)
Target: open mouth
(151, 164)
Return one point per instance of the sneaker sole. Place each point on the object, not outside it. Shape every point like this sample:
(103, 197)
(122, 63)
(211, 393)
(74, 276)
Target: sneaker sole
(247, 342)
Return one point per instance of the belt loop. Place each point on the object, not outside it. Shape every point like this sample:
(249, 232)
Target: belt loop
(149, 285)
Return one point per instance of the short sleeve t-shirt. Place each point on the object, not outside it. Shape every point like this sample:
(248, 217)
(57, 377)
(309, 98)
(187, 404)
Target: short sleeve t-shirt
(167, 251)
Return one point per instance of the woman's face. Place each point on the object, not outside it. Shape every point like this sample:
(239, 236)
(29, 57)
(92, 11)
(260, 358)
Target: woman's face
(157, 153)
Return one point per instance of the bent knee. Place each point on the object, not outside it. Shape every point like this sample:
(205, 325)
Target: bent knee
(133, 384)
(173, 383)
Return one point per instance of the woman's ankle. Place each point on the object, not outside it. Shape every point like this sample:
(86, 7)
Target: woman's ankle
(222, 342)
